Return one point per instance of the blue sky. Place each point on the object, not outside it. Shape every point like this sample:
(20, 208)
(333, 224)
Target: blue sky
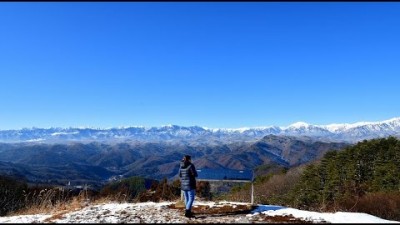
(226, 64)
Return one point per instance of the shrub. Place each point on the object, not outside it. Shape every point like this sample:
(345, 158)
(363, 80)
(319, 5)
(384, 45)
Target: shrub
(203, 190)
(11, 194)
(382, 204)
(124, 190)
(161, 191)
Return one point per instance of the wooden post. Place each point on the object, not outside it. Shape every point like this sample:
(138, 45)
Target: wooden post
(183, 200)
(252, 193)
(252, 187)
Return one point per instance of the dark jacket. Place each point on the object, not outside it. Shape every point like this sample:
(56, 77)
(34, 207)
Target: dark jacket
(187, 173)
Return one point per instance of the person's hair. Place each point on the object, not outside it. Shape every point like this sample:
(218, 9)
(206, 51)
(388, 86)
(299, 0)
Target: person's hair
(187, 157)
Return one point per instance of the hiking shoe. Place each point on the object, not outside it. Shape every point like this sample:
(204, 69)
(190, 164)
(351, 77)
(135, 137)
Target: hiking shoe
(188, 213)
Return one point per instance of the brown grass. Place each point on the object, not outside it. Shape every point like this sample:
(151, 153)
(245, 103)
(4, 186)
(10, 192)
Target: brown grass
(77, 203)
(272, 191)
(46, 202)
(284, 219)
(381, 204)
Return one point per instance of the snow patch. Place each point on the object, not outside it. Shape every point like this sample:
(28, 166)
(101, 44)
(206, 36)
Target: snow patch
(64, 133)
(152, 212)
(337, 217)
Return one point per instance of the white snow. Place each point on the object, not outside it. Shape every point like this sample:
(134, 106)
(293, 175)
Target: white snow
(151, 212)
(240, 130)
(346, 126)
(64, 133)
(39, 218)
(297, 125)
(338, 217)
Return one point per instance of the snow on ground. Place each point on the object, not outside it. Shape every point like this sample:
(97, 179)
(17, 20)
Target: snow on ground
(337, 217)
(39, 218)
(206, 212)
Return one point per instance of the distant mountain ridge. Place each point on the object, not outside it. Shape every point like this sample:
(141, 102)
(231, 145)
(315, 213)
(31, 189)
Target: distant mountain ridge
(94, 156)
(333, 132)
(95, 163)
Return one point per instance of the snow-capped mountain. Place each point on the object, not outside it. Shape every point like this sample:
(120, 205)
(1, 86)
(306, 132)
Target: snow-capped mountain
(334, 132)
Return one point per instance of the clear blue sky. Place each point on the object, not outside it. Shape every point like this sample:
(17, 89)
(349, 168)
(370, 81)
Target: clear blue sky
(217, 65)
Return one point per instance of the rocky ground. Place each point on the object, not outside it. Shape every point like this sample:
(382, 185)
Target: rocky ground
(205, 212)
(150, 212)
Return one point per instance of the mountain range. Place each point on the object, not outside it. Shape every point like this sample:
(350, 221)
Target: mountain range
(95, 156)
(95, 163)
(171, 133)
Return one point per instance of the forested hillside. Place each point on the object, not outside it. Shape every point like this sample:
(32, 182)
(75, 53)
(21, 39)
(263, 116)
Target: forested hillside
(362, 178)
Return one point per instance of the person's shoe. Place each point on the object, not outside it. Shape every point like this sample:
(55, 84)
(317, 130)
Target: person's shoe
(191, 214)
(188, 213)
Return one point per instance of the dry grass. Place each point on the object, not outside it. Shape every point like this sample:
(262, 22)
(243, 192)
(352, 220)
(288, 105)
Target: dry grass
(272, 191)
(47, 202)
(381, 204)
(284, 219)
(77, 203)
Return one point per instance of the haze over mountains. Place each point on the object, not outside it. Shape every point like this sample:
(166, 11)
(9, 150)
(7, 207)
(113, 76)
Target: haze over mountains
(333, 132)
(96, 162)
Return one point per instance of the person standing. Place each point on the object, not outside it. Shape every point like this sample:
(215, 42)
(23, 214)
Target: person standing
(188, 174)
